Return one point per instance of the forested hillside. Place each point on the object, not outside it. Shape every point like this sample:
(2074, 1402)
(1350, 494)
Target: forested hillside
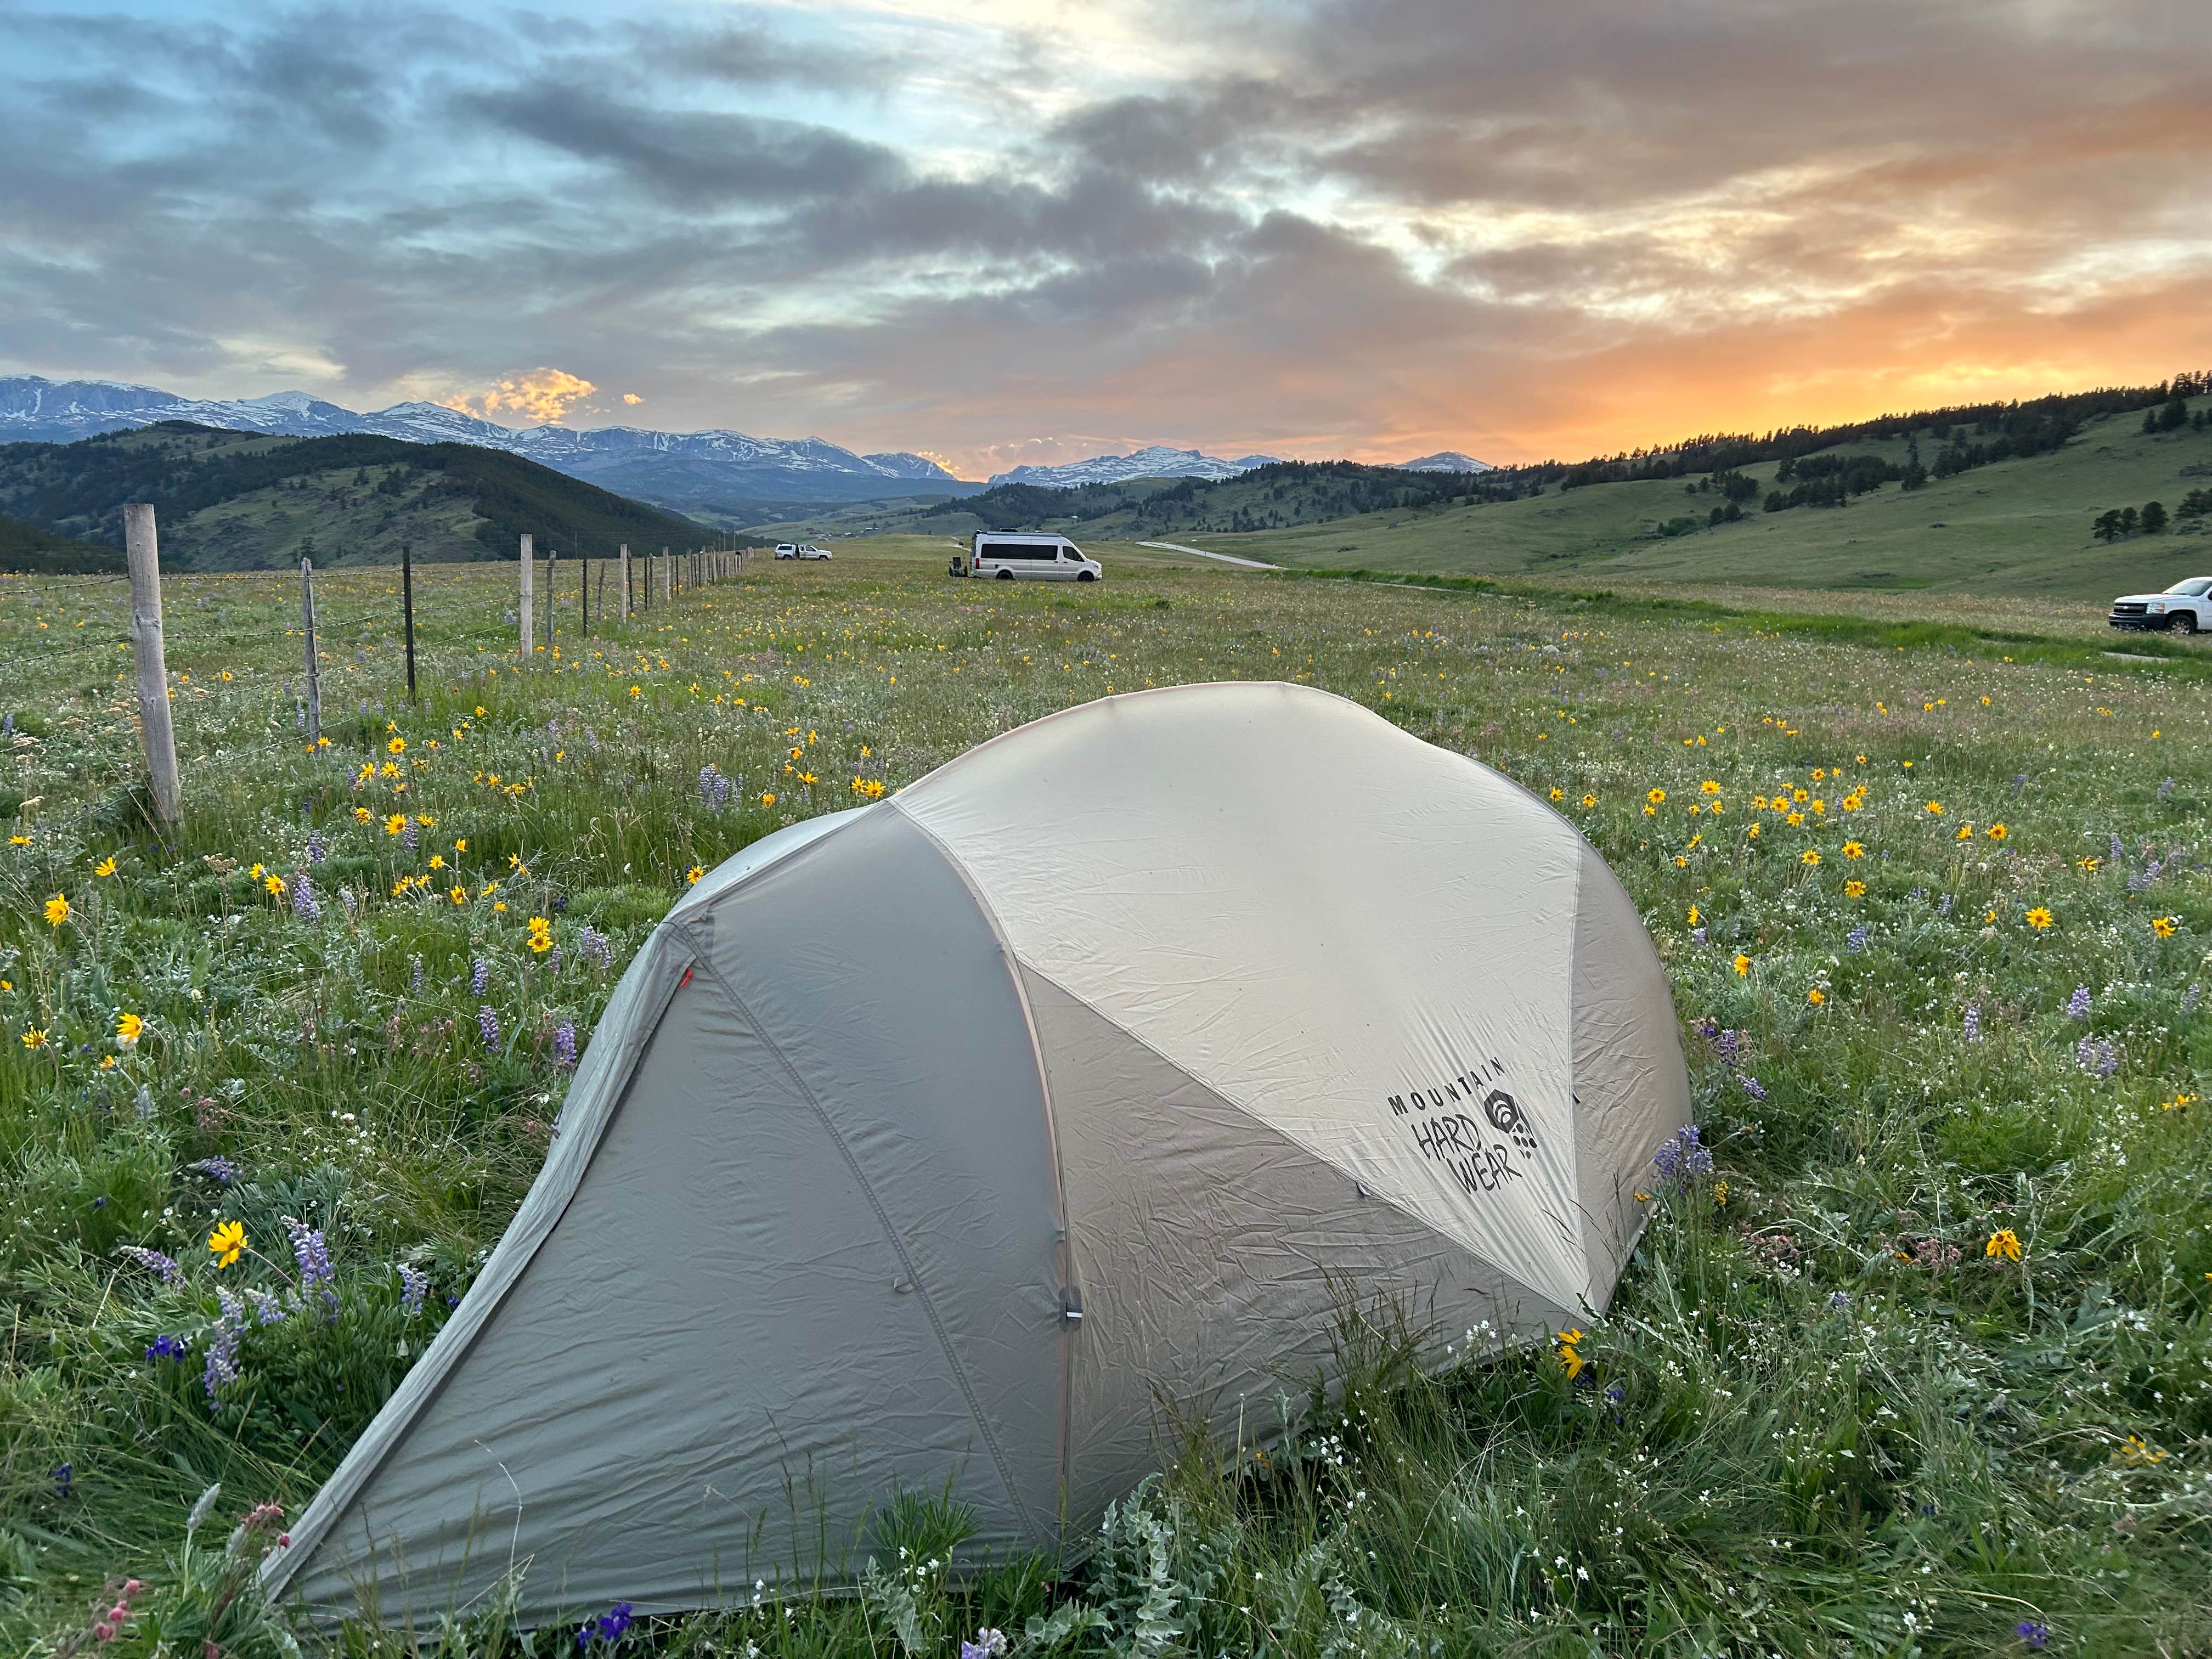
(232, 500)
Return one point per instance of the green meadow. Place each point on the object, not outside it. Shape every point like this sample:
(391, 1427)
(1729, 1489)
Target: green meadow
(1921, 1366)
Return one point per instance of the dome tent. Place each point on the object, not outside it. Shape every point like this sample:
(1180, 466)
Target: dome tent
(940, 1139)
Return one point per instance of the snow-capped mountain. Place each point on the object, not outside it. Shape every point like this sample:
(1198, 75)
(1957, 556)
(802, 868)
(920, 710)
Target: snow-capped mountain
(1446, 460)
(678, 469)
(1158, 461)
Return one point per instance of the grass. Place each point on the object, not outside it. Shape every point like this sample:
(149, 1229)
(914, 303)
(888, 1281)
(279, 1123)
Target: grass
(2015, 527)
(1822, 1416)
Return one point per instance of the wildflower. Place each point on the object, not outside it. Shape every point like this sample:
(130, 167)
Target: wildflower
(2177, 1103)
(313, 1255)
(1854, 888)
(1856, 940)
(128, 1029)
(1974, 1023)
(172, 1274)
(1656, 797)
(58, 910)
(414, 1285)
(462, 845)
(988, 1644)
(227, 1242)
(767, 800)
(1720, 1195)
(1816, 996)
(1965, 833)
(34, 1038)
(1558, 793)
(1710, 786)
(303, 901)
(2165, 926)
(1936, 809)
(221, 1365)
(692, 874)
(609, 1626)
(2097, 1055)
(1998, 832)
(1742, 965)
(488, 1024)
(1569, 1357)
(2087, 864)
(396, 823)
(220, 1169)
(2135, 1450)
(564, 1046)
(398, 745)
(458, 894)
(2037, 1637)
(479, 976)
(2038, 918)
(169, 1347)
(1809, 857)
(274, 883)
(106, 867)
(2003, 1245)
(1752, 1085)
(541, 935)
(1683, 1157)
(2077, 1005)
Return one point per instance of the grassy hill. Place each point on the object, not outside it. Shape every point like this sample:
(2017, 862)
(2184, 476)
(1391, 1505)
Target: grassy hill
(25, 549)
(236, 500)
(2021, 526)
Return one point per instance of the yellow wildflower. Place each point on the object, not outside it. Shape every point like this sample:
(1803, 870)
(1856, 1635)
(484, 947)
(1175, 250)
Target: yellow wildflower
(1742, 965)
(227, 1242)
(2165, 926)
(127, 1028)
(1567, 1341)
(106, 867)
(58, 910)
(34, 1038)
(2005, 1245)
(2038, 918)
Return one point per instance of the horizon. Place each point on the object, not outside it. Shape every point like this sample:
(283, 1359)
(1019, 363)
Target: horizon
(998, 233)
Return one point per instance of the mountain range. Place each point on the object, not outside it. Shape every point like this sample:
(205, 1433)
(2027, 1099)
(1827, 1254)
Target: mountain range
(727, 477)
(714, 473)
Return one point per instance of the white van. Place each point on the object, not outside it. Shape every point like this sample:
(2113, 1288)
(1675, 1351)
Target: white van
(1044, 558)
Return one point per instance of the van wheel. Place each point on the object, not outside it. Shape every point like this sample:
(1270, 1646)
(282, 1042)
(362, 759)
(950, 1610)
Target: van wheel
(1085, 576)
(2184, 622)
(1006, 575)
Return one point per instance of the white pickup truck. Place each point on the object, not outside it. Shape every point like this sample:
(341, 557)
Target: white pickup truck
(2185, 608)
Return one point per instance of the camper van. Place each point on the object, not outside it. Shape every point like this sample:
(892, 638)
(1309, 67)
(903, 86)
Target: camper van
(1044, 558)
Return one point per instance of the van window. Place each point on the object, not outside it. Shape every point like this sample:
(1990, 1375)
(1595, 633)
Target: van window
(1016, 550)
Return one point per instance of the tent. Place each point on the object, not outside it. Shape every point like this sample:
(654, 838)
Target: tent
(934, 1144)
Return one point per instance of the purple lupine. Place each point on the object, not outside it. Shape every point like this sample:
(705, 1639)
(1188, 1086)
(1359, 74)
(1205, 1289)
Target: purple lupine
(2077, 1005)
(553, 959)
(564, 1046)
(1944, 908)
(172, 1274)
(1726, 1044)
(414, 1285)
(479, 977)
(2019, 783)
(303, 900)
(2166, 789)
(1683, 1157)
(1698, 937)
(313, 1255)
(221, 1170)
(415, 975)
(267, 1310)
(169, 1347)
(1974, 1022)
(1855, 941)
(2118, 850)
(411, 837)
(316, 853)
(596, 948)
(2037, 1635)
(2188, 1000)
(1753, 1087)
(488, 1023)
(221, 1365)
(2097, 1055)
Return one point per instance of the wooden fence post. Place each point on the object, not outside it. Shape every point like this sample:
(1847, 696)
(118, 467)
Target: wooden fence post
(667, 575)
(529, 604)
(407, 608)
(625, 581)
(156, 733)
(315, 671)
(552, 593)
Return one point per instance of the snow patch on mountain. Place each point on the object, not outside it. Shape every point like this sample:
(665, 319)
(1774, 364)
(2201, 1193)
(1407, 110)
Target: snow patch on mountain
(1445, 460)
(1157, 461)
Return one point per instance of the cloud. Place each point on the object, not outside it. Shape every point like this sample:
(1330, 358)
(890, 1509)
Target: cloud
(542, 395)
(1372, 227)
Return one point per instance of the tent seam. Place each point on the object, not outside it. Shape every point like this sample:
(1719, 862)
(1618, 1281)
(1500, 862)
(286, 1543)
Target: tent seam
(1066, 1255)
(891, 1233)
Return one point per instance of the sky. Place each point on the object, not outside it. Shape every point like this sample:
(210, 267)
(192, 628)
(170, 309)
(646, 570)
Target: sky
(1008, 231)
